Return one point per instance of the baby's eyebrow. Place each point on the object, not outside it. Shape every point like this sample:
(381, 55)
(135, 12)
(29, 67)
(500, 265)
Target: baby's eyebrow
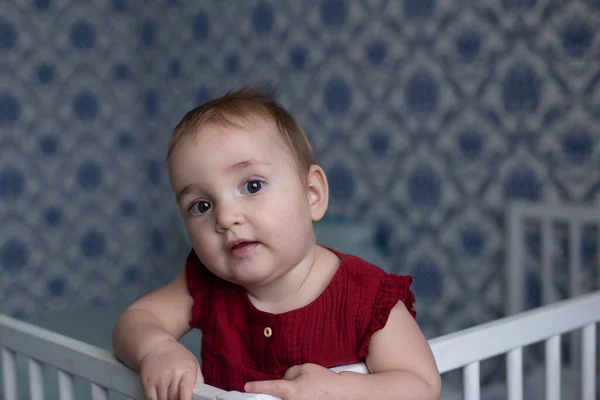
(246, 164)
(187, 189)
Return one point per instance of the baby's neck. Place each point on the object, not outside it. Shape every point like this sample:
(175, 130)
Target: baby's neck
(299, 286)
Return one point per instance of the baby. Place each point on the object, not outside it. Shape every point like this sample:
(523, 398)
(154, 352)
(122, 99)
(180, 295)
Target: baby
(276, 309)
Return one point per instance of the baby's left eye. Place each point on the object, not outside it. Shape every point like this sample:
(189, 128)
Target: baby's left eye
(252, 186)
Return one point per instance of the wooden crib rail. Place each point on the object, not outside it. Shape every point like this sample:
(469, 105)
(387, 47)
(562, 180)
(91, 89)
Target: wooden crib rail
(465, 349)
(576, 217)
(74, 358)
(71, 357)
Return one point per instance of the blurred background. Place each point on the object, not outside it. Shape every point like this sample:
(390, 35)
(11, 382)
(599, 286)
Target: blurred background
(428, 116)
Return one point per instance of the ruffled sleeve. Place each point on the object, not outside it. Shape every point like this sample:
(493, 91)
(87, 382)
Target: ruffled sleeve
(392, 289)
(199, 283)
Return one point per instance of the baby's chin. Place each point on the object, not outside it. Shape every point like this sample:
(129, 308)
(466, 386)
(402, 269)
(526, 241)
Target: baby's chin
(241, 272)
(251, 279)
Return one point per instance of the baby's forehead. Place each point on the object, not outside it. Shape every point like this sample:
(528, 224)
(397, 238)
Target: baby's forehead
(251, 123)
(249, 128)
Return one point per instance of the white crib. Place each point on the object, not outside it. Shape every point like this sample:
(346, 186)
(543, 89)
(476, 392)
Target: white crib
(464, 350)
(576, 217)
(461, 350)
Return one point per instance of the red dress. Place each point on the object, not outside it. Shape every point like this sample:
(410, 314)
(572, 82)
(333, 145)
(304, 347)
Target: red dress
(240, 343)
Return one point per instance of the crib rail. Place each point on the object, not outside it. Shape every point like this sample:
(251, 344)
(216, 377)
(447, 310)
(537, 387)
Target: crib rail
(466, 349)
(71, 357)
(74, 358)
(461, 350)
(576, 217)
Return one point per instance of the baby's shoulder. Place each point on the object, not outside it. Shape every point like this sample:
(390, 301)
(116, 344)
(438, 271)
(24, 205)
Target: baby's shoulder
(357, 268)
(370, 282)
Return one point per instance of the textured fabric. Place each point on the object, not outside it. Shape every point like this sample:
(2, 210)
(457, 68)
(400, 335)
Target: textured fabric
(334, 329)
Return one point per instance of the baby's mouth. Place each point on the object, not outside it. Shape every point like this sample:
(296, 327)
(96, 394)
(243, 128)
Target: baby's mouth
(243, 248)
(242, 245)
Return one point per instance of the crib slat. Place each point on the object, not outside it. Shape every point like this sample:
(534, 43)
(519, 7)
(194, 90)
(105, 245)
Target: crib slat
(514, 364)
(553, 363)
(515, 275)
(65, 386)
(9, 374)
(81, 359)
(574, 259)
(36, 380)
(588, 363)
(99, 392)
(471, 381)
(548, 289)
(575, 286)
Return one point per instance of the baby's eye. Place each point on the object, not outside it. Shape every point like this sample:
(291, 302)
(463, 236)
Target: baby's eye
(252, 186)
(200, 207)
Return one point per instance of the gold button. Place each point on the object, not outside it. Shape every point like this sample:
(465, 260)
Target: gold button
(268, 332)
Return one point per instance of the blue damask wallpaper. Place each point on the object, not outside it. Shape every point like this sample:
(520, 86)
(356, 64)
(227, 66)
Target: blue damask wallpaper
(428, 116)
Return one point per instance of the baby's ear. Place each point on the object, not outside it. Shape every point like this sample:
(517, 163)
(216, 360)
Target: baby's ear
(318, 192)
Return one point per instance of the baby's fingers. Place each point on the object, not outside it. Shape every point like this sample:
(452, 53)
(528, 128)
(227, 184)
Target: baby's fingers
(186, 385)
(162, 390)
(150, 393)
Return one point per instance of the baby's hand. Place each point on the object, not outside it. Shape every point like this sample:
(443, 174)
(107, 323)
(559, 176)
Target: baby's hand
(169, 372)
(302, 382)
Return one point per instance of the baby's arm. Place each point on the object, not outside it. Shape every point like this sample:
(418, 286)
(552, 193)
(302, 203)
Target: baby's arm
(161, 315)
(146, 336)
(400, 361)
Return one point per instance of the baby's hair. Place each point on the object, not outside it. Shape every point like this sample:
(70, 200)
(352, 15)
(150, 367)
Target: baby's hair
(242, 105)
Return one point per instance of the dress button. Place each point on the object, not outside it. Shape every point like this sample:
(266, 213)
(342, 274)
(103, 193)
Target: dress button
(268, 332)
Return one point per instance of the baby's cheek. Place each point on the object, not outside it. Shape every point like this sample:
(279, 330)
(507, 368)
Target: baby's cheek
(204, 245)
(288, 226)
(281, 220)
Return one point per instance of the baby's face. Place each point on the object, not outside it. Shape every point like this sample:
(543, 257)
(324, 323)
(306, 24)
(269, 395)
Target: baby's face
(244, 205)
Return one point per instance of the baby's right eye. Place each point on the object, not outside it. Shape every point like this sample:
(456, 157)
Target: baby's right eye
(200, 207)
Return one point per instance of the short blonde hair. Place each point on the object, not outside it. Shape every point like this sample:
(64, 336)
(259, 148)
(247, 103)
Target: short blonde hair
(245, 104)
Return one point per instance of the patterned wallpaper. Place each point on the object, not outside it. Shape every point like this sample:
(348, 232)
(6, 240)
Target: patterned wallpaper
(428, 116)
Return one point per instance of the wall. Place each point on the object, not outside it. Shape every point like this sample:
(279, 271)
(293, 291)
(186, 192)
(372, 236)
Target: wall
(428, 117)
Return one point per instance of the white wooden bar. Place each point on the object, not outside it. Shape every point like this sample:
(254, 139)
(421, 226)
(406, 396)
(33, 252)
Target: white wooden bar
(9, 373)
(514, 374)
(548, 287)
(99, 392)
(575, 285)
(36, 380)
(66, 389)
(69, 355)
(574, 259)
(243, 396)
(205, 392)
(515, 255)
(553, 364)
(517, 213)
(471, 381)
(458, 349)
(555, 211)
(588, 359)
